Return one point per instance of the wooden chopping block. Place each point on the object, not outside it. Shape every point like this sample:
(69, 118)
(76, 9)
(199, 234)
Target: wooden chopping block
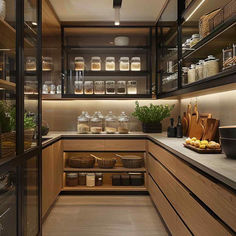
(185, 124)
(188, 117)
(211, 127)
(195, 126)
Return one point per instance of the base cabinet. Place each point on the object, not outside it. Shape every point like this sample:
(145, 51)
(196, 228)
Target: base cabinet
(51, 175)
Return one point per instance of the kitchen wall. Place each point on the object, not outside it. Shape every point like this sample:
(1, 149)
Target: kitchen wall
(222, 106)
(62, 115)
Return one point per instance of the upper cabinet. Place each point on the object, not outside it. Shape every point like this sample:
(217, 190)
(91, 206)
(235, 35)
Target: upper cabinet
(206, 48)
(107, 62)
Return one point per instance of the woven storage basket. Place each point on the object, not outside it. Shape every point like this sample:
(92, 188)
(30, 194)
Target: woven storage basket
(28, 138)
(204, 23)
(7, 144)
(132, 161)
(82, 162)
(106, 163)
(216, 20)
(229, 9)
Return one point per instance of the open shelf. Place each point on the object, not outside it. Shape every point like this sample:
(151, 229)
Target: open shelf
(106, 187)
(106, 96)
(115, 170)
(8, 38)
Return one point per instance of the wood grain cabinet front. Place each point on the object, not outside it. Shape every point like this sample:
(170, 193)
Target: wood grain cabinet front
(221, 200)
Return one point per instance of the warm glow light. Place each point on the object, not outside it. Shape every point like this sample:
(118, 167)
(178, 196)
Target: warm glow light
(195, 10)
(117, 16)
(34, 23)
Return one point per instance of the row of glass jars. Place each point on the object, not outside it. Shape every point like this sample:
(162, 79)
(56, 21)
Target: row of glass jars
(204, 68)
(98, 123)
(110, 64)
(105, 87)
(30, 64)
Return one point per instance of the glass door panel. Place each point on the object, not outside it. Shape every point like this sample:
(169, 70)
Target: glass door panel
(31, 76)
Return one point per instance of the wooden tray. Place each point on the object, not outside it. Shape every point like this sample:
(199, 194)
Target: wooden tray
(203, 151)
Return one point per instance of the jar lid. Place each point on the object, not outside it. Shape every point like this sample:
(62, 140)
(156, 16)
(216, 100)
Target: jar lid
(111, 117)
(88, 82)
(47, 58)
(83, 117)
(95, 117)
(135, 58)
(96, 58)
(100, 115)
(48, 82)
(188, 41)
(210, 58)
(193, 66)
(72, 175)
(124, 58)
(79, 58)
(132, 82)
(121, 82)
(82, 174)
(87, 115)
(123, 117)
(110, 82)
(194, 36)
(110, 58)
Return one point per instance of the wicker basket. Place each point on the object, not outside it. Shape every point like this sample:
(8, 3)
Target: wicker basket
(132, 161)
(106, 163)
(7, 144)
(229, 10)
(204, 23)
(28, 138)
(82, 162)
(216, 20)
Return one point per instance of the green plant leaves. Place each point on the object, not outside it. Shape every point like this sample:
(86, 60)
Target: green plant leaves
(153, 113)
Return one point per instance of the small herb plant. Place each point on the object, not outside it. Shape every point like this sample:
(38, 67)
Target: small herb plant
(153, 113)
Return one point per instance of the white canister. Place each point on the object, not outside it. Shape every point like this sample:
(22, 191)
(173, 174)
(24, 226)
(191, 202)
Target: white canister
(90, 180)
(2, 9)
(211, 66)
(199, 70)
(192, 74)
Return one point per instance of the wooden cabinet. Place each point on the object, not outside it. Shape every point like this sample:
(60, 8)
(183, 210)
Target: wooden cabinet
(51, 175)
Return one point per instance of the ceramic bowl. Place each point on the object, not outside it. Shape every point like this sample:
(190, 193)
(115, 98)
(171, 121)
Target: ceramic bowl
(228, 131)
(229, 147)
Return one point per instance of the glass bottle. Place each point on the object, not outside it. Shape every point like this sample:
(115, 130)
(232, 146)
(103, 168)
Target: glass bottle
(110, 64)
(123, 127)
(96, 124)
(124, 64)
(96, 64)
(121, 87)
(88, 87)
(83, 124)
(110, 87)
(132, 87)
(135, 64)
(79, 63)
(227, 57)
(110, 123)
(99, 87)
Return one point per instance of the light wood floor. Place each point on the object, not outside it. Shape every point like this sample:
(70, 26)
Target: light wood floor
(103, 216)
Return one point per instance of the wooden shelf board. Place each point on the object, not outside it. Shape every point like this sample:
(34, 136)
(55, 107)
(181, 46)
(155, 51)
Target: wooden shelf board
(4, 84)
(116, 169)
(8, 38)
(106, 188)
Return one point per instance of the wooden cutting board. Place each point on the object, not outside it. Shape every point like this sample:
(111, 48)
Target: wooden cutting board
(185, 124)
(211, 127)
(203, 151)
(196, 129)
(188, 117)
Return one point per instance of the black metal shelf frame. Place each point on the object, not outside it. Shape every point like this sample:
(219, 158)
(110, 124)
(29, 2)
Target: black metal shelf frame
(105, 74)
(221, 79)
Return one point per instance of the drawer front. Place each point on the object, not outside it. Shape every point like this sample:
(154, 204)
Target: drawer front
(125, 145)
(172, 220)
(199, 221)
(221, 200)
(83, 145)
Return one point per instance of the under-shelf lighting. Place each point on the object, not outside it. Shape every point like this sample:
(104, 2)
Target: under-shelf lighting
(195, 10)
(117, 16)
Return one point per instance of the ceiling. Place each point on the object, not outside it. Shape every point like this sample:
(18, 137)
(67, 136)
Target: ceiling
(102, 10)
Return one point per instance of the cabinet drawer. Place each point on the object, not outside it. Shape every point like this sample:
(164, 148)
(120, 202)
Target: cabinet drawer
(83, 145)
(199, 221)
(172, 220)
(125, 145)
(221, 200)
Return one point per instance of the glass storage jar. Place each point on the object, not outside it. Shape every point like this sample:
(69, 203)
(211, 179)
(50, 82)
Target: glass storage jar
(96, 64)
(90, 179)
(121, 87)
(124, 64)
(88, 87)
(82, 178)
(47, 63)
(110, 87)
(99, 87)
(194, 40)
(98, 179)
(72, 179)
(103, 120)
(83, 124)
(228, 57)
(45, 89)
(110, 123)
(123, 127)
(192, 74)
(135, 64)
(78, 87)
(132, 87)
(199, 70)
(79, 63)
(185, 75)
(52, 89)
(30, 64)
(110, 64)
(96, 124)
(211, 66)
(58, 89)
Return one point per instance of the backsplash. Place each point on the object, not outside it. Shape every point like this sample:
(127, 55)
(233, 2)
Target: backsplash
(62, 115)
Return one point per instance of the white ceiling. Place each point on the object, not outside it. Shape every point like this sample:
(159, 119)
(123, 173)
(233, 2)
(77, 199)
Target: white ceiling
(102, 10)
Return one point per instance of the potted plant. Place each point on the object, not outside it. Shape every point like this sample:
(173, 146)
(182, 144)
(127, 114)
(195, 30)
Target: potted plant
(152, 116)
